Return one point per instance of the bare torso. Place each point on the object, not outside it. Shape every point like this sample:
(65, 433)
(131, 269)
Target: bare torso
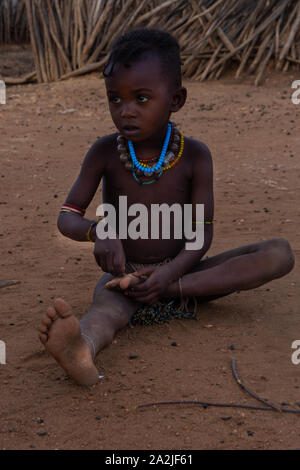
(174, 186)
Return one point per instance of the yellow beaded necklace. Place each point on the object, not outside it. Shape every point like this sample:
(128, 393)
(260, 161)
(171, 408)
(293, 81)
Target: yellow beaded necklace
(176, 159)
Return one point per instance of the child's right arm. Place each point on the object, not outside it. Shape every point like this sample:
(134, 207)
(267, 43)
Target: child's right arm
(109, 254)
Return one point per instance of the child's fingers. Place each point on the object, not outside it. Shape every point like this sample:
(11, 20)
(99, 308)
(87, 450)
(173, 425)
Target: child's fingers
(98, 259)
(109, 262)
(100, 262)
(145, 276)
(144, 272)
(119, 263)
(103, 264)
(104, 259)
(135, 293)
(147, 299)
(145, 286)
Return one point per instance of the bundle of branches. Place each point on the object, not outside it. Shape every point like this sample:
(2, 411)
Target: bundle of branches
(72, 37)
(250, 33)
(13, 22)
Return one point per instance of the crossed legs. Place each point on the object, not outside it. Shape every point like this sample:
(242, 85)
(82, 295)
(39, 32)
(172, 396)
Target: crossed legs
(75, 344)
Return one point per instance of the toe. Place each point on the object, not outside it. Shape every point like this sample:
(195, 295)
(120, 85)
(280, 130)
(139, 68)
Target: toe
(43, 338)
(62, 308)
(43, 329)
(47, 321)
(51, 313)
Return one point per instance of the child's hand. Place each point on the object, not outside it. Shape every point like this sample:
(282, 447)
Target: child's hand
(110, 256)
(151, 290)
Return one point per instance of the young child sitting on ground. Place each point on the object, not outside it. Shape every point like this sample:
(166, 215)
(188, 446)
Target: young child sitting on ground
(150, 162)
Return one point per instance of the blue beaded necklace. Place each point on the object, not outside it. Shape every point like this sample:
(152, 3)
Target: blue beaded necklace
(157, 167)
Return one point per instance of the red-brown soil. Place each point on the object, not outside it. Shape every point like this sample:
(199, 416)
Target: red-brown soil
(253, 134)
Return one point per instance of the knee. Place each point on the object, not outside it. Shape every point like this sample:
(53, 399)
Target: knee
(281, 256)
(100, 287)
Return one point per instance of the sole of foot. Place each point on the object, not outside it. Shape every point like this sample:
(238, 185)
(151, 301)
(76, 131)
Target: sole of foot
(61, 336)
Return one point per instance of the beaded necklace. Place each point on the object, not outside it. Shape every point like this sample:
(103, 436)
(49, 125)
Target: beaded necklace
(161, 159)
(174, 160)
(164, 162)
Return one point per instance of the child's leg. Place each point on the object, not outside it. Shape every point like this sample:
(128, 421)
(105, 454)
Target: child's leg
(110, 311)
(74, 345)
(243, 268)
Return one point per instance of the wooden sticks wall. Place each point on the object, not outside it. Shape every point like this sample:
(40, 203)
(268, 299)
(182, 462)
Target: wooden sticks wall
(13, 22)
(73, 37)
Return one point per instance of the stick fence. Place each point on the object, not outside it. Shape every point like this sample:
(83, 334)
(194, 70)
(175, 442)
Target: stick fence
(73, 37)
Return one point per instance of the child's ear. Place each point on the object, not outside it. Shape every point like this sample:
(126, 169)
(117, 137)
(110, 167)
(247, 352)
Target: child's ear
(178, 99)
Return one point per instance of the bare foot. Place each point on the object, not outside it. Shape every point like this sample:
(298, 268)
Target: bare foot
(124, 282)
(60, 334)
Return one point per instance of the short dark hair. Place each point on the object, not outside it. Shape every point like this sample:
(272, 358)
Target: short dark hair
(130, 47)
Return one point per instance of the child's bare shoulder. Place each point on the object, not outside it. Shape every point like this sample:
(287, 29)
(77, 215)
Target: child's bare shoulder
(198, 154)
(101, 149)
(198, 148)
(98, 157)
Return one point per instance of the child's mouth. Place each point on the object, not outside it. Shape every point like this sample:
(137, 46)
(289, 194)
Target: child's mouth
(130, 130)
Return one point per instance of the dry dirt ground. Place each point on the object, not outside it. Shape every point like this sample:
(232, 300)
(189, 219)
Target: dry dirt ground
(253, 134)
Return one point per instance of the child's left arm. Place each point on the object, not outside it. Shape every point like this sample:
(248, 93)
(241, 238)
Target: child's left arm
(202, 193)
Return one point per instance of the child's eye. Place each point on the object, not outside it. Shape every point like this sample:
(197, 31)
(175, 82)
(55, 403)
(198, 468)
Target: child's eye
(114, 99)
(142, 98)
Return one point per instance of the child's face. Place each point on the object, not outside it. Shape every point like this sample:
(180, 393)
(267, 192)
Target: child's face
(141, 99)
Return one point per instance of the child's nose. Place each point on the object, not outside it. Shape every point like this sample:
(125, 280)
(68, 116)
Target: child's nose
(128, 110)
